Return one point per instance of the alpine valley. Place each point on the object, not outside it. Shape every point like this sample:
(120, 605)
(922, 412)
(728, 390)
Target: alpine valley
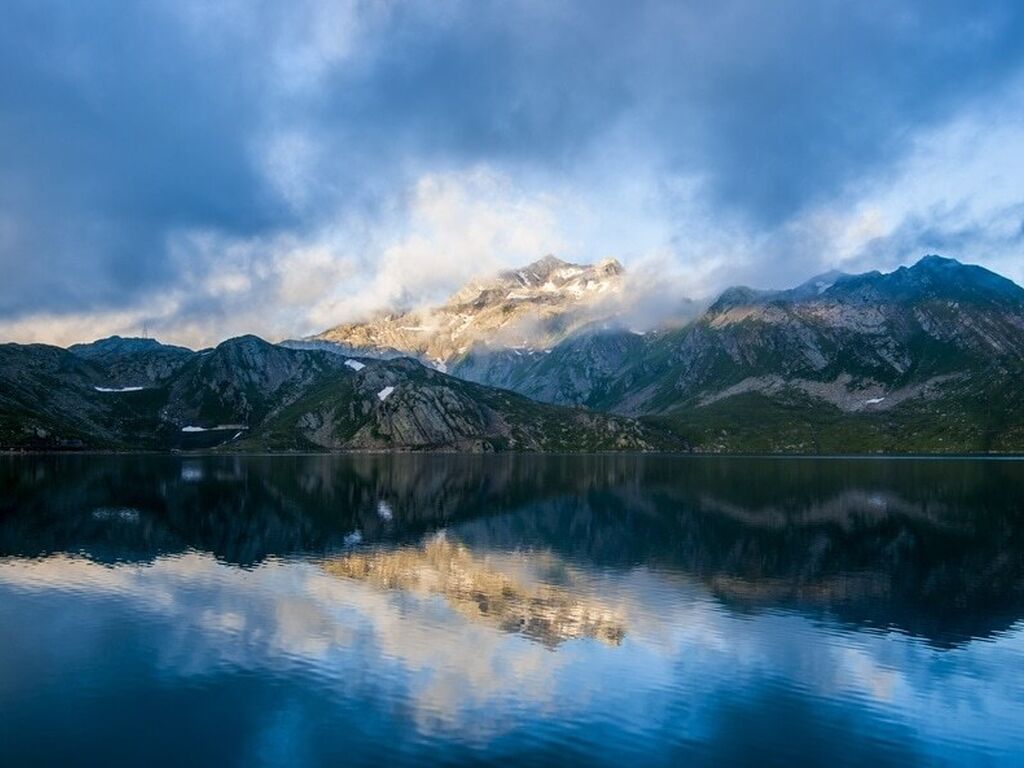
(925, 359)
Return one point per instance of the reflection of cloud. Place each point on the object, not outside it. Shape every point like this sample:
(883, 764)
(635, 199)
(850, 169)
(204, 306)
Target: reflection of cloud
(285, 613)
(464, 680)
(480, 593)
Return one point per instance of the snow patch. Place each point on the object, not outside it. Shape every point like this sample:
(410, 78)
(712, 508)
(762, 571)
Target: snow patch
(218, 428)
(384, 511)
(355, 365)
(874, 401)
(119, 389)
(383, 394)
(353, 538)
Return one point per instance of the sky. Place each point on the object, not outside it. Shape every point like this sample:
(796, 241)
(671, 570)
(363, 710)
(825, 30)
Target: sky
(198, 170)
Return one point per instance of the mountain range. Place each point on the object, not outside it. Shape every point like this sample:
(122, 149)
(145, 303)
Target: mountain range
(928, 358)
(248, 394)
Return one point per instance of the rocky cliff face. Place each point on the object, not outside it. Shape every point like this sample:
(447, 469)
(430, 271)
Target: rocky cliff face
(535, 306)
(407, 405)
(860, 341)
(242, 381)
(588, 369)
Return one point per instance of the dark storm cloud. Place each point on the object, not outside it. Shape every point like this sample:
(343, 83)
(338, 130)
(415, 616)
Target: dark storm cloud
(785, 102)
(775, 104)
(122, 124)
(113, 131)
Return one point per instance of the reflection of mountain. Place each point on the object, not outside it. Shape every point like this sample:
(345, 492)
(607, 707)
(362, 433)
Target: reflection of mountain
(549, 614)
(946, 573)
(935, 548)
(245, 509)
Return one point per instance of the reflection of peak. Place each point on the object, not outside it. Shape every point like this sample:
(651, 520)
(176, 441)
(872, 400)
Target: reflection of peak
(548, 614)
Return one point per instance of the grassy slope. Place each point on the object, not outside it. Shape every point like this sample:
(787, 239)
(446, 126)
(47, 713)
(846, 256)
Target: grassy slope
(755, 423)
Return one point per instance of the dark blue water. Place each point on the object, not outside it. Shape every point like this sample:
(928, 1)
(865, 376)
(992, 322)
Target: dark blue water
(405, 610)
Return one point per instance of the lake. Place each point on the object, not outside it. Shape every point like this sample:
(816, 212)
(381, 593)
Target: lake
(647, 610)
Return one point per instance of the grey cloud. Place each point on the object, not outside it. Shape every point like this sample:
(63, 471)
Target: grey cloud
(122, 125)
(949, 232)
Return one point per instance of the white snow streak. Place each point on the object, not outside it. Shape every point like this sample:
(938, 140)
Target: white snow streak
(218, 428)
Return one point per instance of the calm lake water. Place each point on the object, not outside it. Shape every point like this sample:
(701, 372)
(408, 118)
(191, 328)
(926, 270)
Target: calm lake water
(606, 610)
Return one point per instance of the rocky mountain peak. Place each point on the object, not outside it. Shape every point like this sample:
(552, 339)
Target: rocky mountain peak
(121, 345)
(539, 271)
(245, 343)
(933, 260)
(532, 306)
(934, 279)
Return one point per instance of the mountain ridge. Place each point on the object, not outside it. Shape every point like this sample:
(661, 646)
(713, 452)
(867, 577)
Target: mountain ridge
(905, 347)
(924, 358)
(247, 394)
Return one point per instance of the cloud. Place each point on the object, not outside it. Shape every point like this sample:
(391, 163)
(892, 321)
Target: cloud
(445, 230)
(954, 191)
(149, 155)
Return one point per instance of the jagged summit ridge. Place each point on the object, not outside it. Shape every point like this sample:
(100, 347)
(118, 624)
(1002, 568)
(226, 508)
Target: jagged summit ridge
(554, 272)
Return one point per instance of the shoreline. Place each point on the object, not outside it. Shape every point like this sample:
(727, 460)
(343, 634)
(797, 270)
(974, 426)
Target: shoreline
(561, 454)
